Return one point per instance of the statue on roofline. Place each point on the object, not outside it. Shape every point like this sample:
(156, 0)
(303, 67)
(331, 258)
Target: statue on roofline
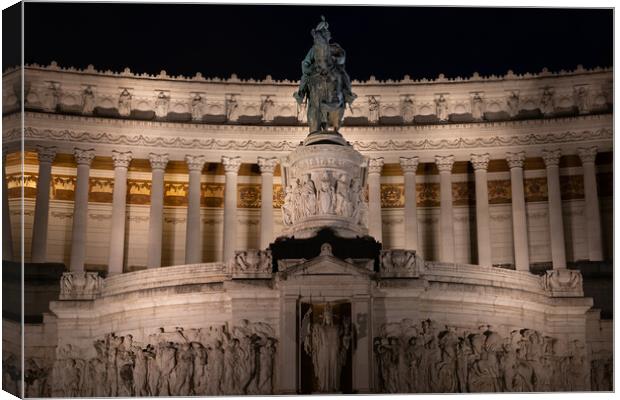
(325, 84)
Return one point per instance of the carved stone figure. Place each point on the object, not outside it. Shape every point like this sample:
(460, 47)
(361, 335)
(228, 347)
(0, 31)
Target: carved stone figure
(298, 212)
(80, 285)
(252, 261)
(182, 375)
(442, 108)
(326, 194)
(166, 358)
(359, 206)
(477, 107)
(547, 105)
(124, 103)
(35, 379)
(324, 82)
(153, 372)
(215, 368)
(51, 97)
(232, 108)
(162, 103)
(287, 207)
(581, 100)
(344, 206)
(323, 342)
(265, 372)
(197, 107)
(308, 197)
(407, 110)
(88, 101)
(140, 371)
(201, 380)
(512, 102)
(373, 110)
(267, 109)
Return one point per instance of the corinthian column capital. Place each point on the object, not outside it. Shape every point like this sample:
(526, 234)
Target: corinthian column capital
(267, 165)
(409, 164)
(121, 159)
(480, 161)
(375, 165)
(551, 157)
(83, 157)
(195, 163)
(515, 160)
(46, 154)
(444, 163)
(158, 161)
(587, 154)
(231, 164)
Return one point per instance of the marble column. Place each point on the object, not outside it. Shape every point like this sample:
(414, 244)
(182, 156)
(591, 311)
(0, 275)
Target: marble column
(119, 205)
(193, 234)
(446, 217)
(231, 168)
(519, 212)
(409, 165)
(83, 158)
(7, 233)
(556, 224)
(38, 249)
(375, 228)
(267, 166)
(480, 162)
(593, 214)
(156, 215)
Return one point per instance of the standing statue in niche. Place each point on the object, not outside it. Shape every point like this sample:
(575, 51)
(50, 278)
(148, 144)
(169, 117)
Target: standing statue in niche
(324, 82)
(324, 343)
(161, 105)
(124, 103)
(88, 101)
(197, 105)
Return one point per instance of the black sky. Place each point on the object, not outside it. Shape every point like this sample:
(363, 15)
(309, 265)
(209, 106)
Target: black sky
(254, 41)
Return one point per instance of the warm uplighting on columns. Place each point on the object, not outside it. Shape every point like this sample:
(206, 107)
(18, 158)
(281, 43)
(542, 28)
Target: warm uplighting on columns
(519, 214)
(593, 214)
(480, 162)
(409, 165)
(446, 219)
(83, 158)
(38, 250)
(231, 168)
(193, 234)
(375, 229)
(267, 166)
(156, 216)
(119, 206)
(556, 224)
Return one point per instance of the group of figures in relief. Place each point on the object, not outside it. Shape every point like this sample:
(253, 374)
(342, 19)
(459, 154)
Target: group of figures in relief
(422, 358)
(342, 196)
(213, 361)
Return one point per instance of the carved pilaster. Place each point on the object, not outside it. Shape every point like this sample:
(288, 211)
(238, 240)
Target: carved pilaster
(480, 161)
(587, 154)
(231, 164)
(121, 159)
(375, 165)
(444, 163)
(267, 165)
(195, 163)
(158, 161)
(515, 160)
(83, 157)
(409, 164)
(551, 157)
(46, 154)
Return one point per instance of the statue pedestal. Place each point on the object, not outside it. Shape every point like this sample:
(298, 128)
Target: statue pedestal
(324, 184)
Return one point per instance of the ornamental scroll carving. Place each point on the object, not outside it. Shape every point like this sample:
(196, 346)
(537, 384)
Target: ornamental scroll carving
(425, 358)
(400, 263)
(252, 262)
(80, 285)
(563, 283)
(217, 360)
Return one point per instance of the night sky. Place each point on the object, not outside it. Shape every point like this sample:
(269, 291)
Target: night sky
(253, 41)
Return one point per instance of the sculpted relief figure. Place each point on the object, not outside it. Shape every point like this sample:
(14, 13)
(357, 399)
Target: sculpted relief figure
(343, 201)
(162, 104)
(400, 262)
(124, 103)
(373, 110)
(358, 205)
(477, 107)
(51, 97)
(232, 108)
(288, 207)
(407, 109)
(326, 194)
(581, 100)
(308, 197)
(88, 101)
(547, 105)
(267, 109)
(324, 82)
(324, 343)
(513, 104)
(197, 107)
(253, 261)
(441, 108)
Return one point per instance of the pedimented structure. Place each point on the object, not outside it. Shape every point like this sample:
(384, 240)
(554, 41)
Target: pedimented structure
(211, 249)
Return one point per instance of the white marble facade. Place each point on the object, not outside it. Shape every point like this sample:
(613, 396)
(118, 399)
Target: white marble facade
(218, 320)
